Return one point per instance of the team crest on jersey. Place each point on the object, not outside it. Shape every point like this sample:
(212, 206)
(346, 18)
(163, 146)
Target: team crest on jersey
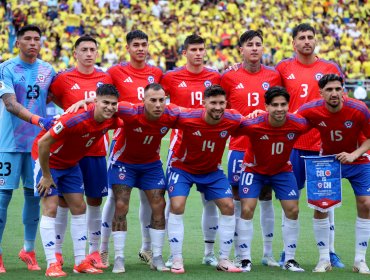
(99, 84)
(348, 124)
(2, 85)
(2, 181)
(290, 136)
(318, 76)
(58, 128)
(223, 134)
(245, 190)
(207, 83)
(40, 78)
(164, 129)
(150, 79)
(265, 85)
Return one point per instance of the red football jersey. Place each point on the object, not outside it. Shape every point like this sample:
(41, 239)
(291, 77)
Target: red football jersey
(203, 145)
(71, 86)
(75, 135)
(271, 146)
(186, 90)
(140, 141)
(246, 93)
(339, 131)
(131, 82)
(301, 81)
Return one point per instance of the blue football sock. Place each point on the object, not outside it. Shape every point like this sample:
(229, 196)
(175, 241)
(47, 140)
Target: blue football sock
(31, 217)
(5, 197)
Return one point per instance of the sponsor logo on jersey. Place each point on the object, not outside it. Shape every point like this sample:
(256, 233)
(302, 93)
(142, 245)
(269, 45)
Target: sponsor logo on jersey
(223, 134)
(290, 136)
(150, 79)
(265, 85)
(318, 76)
(197, 133)
(264, 137)
(182, 84)
(348, 124)
(2, 85)
(207, 83)
(58, 128)
(40, 78)
(98, 84)
(75, 86)
(240, 86)
(22, 79)
(138, 129)
(128, 80)
(323, 124)
(291, 77)
(164, 129)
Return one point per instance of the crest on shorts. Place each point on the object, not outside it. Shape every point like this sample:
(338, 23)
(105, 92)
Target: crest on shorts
(150, 79)
(164, 129)
(2, 181)
(290, 136)
(348, 124)
(207, 83)
(170, 189)
(265, 85)
(245, 190)
(223, 134)
(318, 76)
(98, 84)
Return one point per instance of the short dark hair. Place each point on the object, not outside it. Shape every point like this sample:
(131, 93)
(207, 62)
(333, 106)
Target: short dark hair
(302, 28)
(274, 92)
(85, 38)
(329, 78)
(136, 34)
(214, 90)
(26, 28)
(193, 39)
(153, 86)
(107, 89)
(249, 35)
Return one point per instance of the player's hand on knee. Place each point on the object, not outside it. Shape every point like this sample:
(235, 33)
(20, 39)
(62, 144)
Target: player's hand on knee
(45, 185)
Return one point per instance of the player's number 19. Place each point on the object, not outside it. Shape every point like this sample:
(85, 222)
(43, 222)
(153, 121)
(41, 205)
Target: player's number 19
(196, 96)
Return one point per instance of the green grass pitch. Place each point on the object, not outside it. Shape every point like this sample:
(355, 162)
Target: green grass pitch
(307, 254)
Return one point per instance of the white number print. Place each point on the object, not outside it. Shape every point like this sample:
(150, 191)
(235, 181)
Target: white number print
(173, 177)
(196, 97)
(90, 94)
(253, 98)
(277, 148)
(305, 90)
(336, 135)
(90, 142)
(140, 93)
(208, 145)
(148, 139)
(247, 179)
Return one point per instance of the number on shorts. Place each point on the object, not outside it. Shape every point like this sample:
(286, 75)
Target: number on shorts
(247, 179)
(7, 166)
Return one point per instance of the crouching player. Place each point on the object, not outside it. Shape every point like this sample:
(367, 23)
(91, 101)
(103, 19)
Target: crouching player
(266, 162)
(57, 173)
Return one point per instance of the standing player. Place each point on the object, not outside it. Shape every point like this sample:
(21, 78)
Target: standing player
(130, 79)
(24, 83)
(185, 86)
(300, 75)
(136, 163)
(56, 154)
(69, 87)
(197, 160)
(266, 161)
(245, 89)
(340, 121)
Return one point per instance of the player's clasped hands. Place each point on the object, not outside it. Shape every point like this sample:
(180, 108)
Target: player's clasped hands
(44, 185)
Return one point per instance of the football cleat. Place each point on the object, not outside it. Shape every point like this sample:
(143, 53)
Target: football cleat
(361, 267)
(210, 260)
(119, 265)
(158, 264)
(292, 265)
(95, 259)
(30, 259)
(59, 258)
(86, 267)
(104, 255)
(282, 259)
(246, 265)
(237, 261)
(335, 260)
(2, 267)
(178, 266)
(169, 261)
(146, 256)
(269, 261)
(55, 270)
(322, 266)
(227, 266)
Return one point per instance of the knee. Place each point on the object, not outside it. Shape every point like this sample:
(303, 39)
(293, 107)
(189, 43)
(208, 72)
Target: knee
(247, 212)
(94, 201)
(158, 206)
(364, 208)
(292, 212)
(177, 207)
(121, 207)
(227, 208)
(78, 208)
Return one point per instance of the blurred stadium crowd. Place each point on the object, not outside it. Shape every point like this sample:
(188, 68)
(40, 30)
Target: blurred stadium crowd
(343, 28)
